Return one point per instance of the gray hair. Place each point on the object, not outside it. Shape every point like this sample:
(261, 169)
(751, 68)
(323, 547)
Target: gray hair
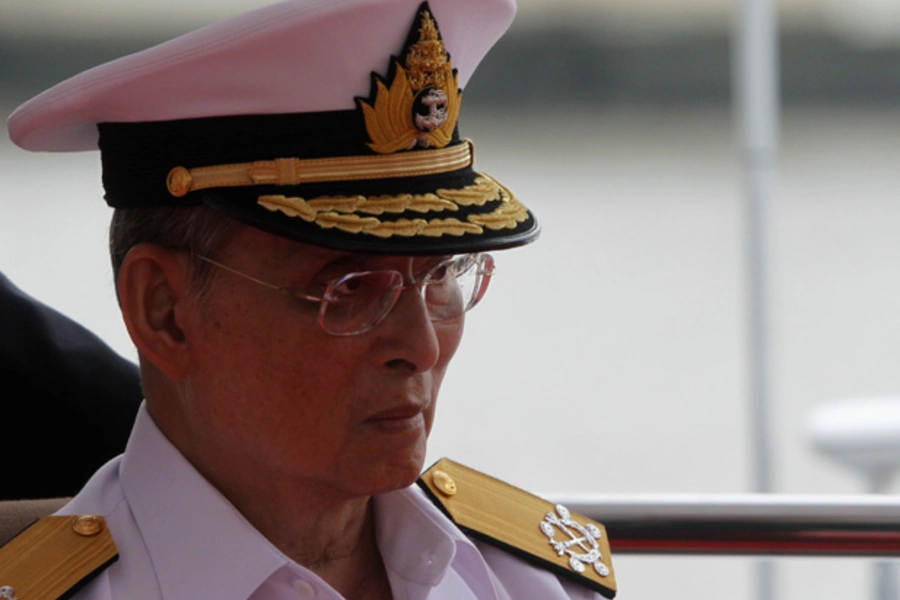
(196, 229)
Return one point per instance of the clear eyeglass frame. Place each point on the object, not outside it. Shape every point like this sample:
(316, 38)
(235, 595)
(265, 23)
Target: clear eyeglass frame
(357, 302)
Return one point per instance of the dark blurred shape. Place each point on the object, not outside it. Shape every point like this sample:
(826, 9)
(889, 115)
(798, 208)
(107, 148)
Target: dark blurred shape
(68, 399)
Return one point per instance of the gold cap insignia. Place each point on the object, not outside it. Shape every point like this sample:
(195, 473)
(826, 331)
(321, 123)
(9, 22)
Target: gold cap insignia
(419, 106)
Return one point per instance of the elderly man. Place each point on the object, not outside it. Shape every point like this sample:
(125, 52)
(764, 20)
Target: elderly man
(293, 261)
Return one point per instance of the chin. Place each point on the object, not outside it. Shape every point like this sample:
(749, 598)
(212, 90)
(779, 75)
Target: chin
(398, 473)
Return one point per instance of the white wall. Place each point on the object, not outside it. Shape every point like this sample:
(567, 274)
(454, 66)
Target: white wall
(610, 355)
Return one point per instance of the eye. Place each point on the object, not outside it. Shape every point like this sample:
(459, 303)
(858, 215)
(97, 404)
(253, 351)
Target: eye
(363, 287)
(439, 272)
(348, 286)
(438, 269)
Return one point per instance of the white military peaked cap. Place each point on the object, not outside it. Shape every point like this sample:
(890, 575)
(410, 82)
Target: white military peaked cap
(334, 122)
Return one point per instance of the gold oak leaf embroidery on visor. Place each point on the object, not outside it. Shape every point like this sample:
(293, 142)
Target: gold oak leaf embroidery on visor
(342, 212)
(507, 216)
(401, 227)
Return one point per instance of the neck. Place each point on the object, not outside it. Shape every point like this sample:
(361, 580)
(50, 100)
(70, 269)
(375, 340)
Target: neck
(332, 535)
(334, 538)
(328, 531)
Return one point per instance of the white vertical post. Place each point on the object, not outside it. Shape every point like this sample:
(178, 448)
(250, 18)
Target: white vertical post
(884, 573)
(757, 107)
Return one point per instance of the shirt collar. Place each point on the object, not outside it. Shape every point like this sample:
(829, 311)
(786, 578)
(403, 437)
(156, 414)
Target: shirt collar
(170, 501)
(417, 542)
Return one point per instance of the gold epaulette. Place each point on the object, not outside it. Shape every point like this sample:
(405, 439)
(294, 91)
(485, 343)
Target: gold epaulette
(55, 556)
(545, 534)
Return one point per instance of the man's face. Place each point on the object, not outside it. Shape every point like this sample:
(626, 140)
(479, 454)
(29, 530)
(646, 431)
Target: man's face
(271, 396)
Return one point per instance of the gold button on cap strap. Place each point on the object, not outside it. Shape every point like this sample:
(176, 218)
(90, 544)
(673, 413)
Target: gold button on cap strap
(56, 555)
(547, 535)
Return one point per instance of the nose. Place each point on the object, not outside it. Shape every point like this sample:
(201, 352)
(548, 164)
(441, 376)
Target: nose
(408, 340)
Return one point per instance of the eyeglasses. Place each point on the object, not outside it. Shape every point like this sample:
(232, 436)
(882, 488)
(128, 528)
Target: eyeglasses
(356, 302)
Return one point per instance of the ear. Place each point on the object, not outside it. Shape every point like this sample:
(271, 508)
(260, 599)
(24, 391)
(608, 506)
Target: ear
(155, 297)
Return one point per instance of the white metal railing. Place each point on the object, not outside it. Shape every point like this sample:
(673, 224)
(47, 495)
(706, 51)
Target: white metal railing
(739, 524)
(746, 524)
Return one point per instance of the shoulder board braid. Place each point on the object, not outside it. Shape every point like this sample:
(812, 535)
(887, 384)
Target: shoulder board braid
(56, 556)
(547, 535)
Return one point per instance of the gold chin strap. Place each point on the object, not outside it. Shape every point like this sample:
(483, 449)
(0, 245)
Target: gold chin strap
(296, 171)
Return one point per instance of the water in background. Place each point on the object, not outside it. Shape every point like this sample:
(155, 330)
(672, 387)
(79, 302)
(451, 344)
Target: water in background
(610, 356)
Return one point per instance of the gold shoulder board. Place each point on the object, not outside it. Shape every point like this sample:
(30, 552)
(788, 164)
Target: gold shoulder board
(55, 556)
(547, 535)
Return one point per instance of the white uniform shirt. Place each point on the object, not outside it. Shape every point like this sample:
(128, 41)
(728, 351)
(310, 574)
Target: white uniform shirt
(180, 539)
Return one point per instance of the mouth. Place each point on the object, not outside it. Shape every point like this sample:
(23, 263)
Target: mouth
(400, 418)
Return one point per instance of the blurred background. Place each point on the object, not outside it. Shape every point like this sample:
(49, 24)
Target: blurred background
(612, 355)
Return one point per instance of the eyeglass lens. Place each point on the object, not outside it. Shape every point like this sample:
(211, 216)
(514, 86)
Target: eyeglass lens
(359, 301)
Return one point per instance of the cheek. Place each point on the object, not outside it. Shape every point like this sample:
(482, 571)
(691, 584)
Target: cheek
(273, 358)
(237, 353)
(449, 335)
(253, 395)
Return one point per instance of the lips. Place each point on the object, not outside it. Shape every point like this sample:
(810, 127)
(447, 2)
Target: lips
(407, 416)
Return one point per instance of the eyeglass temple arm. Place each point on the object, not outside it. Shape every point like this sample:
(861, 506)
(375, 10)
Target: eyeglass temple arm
(259, 281)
